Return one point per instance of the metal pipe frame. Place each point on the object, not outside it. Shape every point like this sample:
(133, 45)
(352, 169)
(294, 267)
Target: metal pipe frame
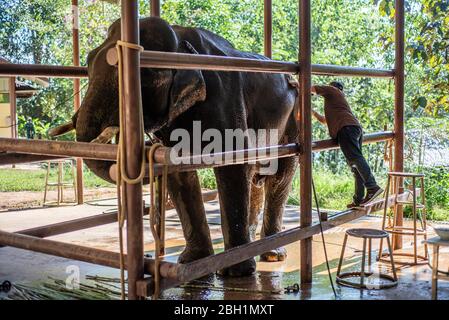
(92, 221)
(133, 139)
(155, 10)
(331, 144)
(137, 266)
(283, 151)
(305, 138)
(268, 27)
(13, 107)
(60, 148)
(8, 158)
(188, 61)
(77, 96)
(399, 84)
(170, 60)
(76, 252)
(344, 71)
(230, 157)
(41, 70)
(15, 151)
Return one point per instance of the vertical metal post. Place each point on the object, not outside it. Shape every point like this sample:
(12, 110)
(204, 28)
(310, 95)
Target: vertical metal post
(268, 28)
(13, 106)
(77, 95)
(155, 8)
(305, 127)
(399, 81)
(133, 140)
(159, 198)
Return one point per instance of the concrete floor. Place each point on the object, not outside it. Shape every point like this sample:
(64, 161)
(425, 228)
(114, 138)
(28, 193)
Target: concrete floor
(25, 267)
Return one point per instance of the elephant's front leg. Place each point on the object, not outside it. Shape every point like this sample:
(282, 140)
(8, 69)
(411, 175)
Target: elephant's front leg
(256, 204)
(277, 188)
(185, 192)
(233, 184)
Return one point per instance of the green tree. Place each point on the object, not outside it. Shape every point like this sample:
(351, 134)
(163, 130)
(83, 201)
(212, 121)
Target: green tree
(427, 30)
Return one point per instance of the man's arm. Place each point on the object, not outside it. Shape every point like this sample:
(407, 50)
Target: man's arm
(314, 90)
(319, 117)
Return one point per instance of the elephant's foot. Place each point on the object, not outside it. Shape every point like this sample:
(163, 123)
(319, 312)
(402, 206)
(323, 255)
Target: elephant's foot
(279, 254)
(242, 269)
(189, 254)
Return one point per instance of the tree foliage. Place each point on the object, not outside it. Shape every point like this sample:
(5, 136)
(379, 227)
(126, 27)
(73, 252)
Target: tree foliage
(427, 32)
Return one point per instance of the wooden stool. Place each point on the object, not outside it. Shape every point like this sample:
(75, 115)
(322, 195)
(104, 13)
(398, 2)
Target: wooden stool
(436, 243)
(414, 231)
(366, 234)
(60, 184)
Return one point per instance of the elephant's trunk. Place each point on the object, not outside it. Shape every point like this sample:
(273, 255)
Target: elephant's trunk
(96, 124)
(101, 169)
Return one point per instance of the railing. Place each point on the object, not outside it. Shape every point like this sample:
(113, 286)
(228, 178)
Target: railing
(169, 60)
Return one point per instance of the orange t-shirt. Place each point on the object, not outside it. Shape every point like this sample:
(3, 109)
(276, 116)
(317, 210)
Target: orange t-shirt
(336, 110)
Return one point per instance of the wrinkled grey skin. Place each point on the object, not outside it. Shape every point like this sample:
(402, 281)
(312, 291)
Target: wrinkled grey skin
(221, 100)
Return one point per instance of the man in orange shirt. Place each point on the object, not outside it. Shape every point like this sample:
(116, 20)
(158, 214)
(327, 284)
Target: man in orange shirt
(345, 128)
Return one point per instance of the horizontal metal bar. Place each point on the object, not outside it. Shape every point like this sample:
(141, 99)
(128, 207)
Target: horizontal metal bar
(80, 253)
(189, 163)
(202, 267)
(172, 60)
(231, 157)
(108, 152)
(70, 226)
(162, 155)
(330, 144)
(243, 156)
(18, 158)
(38, 70)
(92, 221)
(333, 70)
(60, 148)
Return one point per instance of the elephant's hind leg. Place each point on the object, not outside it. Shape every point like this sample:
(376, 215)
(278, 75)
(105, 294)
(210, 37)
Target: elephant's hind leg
(185, 192)
(233, 184)
(277, 188)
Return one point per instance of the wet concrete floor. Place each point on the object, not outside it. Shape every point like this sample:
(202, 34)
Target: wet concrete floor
(26, 267)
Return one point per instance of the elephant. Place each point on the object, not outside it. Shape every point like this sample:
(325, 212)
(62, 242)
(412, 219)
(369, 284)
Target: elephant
(174, 99)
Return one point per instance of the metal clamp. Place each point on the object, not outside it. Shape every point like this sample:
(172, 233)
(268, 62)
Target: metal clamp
(5, 286)
(293, 288)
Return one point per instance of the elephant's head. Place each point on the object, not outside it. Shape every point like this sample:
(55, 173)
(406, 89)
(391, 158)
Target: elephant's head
(165, 93)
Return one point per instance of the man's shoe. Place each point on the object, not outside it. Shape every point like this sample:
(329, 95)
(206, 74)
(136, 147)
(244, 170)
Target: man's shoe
(353, 205)
(371, 195)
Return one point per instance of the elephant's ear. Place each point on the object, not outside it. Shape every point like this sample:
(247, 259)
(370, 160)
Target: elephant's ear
(188, 87)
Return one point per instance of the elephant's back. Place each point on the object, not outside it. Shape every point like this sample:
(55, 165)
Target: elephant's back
(264, 100)
(207, 42)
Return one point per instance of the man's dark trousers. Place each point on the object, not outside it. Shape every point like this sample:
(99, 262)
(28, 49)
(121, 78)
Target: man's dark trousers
(350, 139)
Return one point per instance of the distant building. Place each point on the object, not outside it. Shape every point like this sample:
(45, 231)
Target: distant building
(10, 90)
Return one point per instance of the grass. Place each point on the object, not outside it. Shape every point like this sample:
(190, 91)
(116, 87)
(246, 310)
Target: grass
(333, 191)
(14, 180)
